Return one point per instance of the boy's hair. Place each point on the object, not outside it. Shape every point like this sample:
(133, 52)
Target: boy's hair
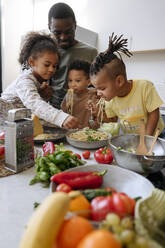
(61, 11)
(110, 61)
(35, 43)
(80, 65)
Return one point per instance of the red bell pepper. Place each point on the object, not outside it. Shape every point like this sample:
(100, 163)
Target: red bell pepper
(80, 179)
(48, 148)
(103, 155)
(2, 151)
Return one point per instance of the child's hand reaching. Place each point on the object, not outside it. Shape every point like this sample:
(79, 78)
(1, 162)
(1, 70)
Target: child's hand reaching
(45, 91)
(71, 122)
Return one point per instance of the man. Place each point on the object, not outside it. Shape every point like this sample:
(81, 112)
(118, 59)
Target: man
(62, 25)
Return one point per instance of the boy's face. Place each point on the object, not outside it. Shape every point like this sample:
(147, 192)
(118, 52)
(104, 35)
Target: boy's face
(78, 81)
(64, 31)
(44, 66)
(106, 88)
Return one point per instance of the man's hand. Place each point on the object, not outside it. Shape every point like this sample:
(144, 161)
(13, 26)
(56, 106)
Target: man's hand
(45, 91)
(71, 122)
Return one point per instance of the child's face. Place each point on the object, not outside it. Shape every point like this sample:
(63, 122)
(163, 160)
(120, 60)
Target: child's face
(78, 81)
(106, 88)
(44, 66)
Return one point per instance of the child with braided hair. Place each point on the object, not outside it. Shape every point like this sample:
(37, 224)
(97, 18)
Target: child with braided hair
(129, 100)
(39, 60)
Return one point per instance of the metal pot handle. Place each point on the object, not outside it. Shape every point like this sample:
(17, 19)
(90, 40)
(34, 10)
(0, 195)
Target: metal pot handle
(154, 159)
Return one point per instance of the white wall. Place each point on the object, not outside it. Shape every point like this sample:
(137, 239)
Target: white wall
(95, 15)
(17, 19)
(91, 14)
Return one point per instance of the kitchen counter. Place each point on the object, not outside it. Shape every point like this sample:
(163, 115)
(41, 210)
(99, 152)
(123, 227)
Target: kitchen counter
(16, 203)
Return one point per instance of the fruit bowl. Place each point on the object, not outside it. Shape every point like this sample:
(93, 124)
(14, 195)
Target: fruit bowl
(120, 179)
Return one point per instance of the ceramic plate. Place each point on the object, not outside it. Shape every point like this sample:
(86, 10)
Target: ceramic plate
(58, 134)
(120, 179)
(86, 144)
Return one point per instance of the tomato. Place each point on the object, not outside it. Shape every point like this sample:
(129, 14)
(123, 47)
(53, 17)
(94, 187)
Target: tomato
(63, 187)
(119, 203)
(103, 156)
(100, 207)
(86, 154)
(77, 155)
(123, 204)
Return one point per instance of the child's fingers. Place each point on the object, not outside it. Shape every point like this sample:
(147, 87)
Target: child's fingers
(43, 85)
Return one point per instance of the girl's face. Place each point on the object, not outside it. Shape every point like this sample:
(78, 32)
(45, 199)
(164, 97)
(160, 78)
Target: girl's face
(106, 88)
(78, 81)
(44, 66)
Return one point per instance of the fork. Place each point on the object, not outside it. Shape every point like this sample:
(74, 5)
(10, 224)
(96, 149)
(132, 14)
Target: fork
(91, 120)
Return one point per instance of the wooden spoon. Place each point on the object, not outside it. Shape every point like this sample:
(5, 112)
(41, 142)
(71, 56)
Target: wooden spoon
(153, 142)
(141, 149)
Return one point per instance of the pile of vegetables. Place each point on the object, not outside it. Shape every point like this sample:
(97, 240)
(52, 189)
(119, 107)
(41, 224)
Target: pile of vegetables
(55, 160)
(102, 201)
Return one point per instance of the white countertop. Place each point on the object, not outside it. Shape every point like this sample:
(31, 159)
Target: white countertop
(16, 203)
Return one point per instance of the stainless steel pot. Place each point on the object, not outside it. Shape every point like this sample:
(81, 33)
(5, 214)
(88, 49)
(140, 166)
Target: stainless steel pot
(132, 161)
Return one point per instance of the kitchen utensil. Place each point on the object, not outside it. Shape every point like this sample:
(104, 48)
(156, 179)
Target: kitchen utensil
(57, 134)
(91, 120)
(86, 144)
(120, 146)
(120, 179)
(149, 153)
(19, 145)
(141, 149)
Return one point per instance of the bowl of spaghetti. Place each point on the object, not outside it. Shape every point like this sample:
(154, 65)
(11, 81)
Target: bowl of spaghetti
(87, 138)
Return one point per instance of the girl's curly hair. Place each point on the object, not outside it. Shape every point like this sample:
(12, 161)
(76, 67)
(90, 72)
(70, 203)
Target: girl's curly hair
(116, 45)
(33, 44)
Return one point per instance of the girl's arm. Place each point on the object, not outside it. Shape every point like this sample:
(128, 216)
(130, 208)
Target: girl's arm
(153, 118)
(28, 93)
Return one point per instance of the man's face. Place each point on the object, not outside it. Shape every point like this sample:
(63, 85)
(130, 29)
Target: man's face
(64, 31)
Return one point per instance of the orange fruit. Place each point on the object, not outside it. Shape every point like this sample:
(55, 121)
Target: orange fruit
(99, 239)
(80, 203)
(72, 231)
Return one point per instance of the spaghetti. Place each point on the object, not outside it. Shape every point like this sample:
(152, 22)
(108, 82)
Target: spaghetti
(69, 102)
(87, 134)
(101, 105)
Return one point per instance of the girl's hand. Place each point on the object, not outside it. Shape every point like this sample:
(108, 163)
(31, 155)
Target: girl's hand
(45, 91)
(71, 122)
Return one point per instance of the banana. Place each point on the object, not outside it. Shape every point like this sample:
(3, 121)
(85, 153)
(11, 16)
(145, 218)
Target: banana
(46, 221)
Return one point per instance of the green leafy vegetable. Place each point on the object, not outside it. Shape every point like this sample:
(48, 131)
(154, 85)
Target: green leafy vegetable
(51, 164)
(36, 204)
(92, 193)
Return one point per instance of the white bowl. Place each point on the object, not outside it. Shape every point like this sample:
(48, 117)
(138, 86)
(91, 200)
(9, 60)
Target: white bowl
(122, 180)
